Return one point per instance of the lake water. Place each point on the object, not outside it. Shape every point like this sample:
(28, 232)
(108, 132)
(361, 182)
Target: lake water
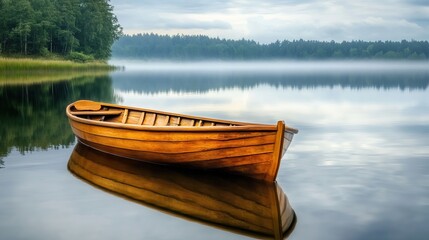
(358, 168)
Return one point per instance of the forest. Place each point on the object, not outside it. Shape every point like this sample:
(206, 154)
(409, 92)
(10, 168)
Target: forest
(155, 46)
(61, 27)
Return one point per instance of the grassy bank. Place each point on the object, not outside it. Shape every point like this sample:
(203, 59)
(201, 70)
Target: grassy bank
(27, 64)
(10, 78)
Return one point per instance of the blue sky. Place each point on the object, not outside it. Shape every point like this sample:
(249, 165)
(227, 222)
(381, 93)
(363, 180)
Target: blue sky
(271, 20)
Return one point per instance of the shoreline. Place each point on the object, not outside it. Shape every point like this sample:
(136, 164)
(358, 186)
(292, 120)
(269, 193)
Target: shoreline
(9, 64)
(27, 71)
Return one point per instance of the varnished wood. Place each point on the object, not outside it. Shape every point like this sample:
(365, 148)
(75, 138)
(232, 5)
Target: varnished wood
(177, 139)
(167, 120)
(237, 204)
(95, 113)
(125, 116)
(278, 150)
(141, 119)
(87, 105)
(154, 119)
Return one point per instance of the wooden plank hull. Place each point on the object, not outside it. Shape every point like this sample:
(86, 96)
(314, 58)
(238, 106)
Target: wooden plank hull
(238, 204)
(254, 150)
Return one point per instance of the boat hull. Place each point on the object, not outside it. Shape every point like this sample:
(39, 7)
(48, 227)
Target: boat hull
(253, 150)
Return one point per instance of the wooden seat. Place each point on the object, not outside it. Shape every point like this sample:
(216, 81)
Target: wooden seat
(95, 113)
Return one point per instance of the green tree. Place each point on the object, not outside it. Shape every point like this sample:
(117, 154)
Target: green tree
(44, 27)
(58, 26)
(67, 29)
(99, 28)
(20, 24)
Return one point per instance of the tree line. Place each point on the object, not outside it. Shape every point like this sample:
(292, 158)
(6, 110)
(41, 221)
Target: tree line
(43, 27)
(155, 46)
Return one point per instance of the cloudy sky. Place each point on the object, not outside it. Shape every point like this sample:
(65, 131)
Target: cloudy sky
(271, 20)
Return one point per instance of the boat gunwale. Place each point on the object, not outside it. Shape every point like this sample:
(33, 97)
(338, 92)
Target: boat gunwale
(241, 126)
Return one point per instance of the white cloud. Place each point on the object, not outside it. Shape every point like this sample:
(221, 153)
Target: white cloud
(268, 21)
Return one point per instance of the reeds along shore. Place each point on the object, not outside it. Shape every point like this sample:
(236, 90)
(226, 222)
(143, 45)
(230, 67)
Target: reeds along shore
(11, 78)
(27, 64)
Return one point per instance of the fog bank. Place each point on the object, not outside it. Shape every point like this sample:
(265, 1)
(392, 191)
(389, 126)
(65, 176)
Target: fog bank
(273, 66)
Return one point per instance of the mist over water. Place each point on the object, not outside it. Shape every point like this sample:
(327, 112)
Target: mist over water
(153, 77)
(273, 66)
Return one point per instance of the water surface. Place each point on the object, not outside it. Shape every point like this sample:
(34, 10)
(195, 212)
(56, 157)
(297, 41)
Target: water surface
(358, 169)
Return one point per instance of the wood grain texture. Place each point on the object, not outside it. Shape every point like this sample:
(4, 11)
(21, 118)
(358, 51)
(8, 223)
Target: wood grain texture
(96, 113)
(242, 148)
(238, 204)
(86, 105)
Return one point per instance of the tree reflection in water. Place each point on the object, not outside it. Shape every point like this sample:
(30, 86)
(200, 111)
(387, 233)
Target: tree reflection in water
(33, 117)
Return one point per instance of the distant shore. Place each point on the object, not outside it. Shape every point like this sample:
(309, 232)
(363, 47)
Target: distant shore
(200, 47)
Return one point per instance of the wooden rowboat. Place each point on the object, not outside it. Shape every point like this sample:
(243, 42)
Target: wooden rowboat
(233, 203)
(250, 149)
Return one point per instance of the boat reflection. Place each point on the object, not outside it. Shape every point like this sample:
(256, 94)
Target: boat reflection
(237, 204)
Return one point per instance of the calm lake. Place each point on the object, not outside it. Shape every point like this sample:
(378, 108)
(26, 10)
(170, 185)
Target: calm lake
(358, 168)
